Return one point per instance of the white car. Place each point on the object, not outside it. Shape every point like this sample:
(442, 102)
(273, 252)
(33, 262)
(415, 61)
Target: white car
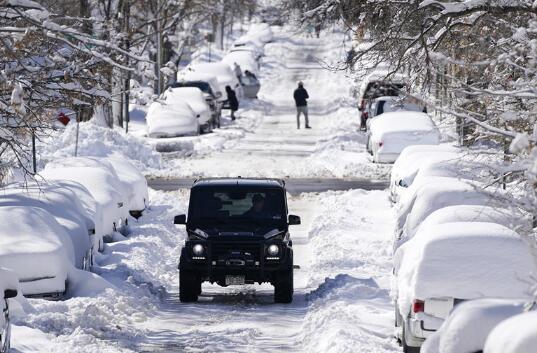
(37, 248)
(517, 334)
(63, 205)
(444, 265)
(261, 31)
(138, 196)
(101, 180)
(166, 120)
(224, 74)
(194, 97)
(440, 193)
(390, 133)
(244, 59)
(389, 104)
(411, 159)
(468, 326)
(8, 290)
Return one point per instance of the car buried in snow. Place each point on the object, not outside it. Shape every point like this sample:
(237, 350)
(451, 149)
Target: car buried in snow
(237, 233)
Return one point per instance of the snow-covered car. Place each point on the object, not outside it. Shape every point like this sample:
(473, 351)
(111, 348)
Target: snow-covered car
(518, 334)
(63, 205)
(244, 59)
(444, 265)
(440, 193)
(251, 41)
(37, 248)
(389, 104)
(223, 73)
(376, 84)
(99, 177)
(165, 120)
(138, 196)
(390, 133)
(8, 290)
(411, 159)
(468, 326)
(261, 31)
(194, 97)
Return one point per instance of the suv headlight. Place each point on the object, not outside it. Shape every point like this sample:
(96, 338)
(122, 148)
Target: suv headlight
(273, 250)
(198, 249)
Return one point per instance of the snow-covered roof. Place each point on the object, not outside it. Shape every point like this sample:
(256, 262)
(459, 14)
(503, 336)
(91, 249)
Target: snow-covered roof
(401, 121)
(517, 334)
(464, 260)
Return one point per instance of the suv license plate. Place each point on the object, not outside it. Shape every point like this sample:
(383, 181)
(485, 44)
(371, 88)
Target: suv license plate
(234, 280)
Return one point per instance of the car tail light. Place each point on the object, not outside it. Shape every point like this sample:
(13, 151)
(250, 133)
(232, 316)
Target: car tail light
(418, 306)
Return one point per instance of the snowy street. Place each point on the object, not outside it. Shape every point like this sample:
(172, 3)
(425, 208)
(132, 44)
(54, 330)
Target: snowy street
(341, 301)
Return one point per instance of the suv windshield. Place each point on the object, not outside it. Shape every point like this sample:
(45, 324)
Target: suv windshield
(226, 205)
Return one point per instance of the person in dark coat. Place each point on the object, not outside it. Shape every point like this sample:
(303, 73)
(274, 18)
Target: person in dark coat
(233, 101)
(301, 96)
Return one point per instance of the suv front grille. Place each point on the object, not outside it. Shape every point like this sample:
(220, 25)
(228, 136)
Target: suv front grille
(224, 250)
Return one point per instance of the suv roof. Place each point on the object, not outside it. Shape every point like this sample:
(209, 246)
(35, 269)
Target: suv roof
(263, 182)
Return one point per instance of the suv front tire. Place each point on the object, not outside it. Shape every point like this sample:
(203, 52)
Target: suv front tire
(189, 287)
(283, 287)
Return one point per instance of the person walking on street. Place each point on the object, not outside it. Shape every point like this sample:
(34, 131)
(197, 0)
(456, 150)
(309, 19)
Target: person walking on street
(301, 96)
(238, 72)
(232, 101)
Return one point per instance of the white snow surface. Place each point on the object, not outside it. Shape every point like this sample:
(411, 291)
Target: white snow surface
(470, 323)
(517, 334)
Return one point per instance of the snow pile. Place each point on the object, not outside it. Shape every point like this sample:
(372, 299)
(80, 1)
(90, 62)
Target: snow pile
(454, 260)
(36, 248)
(99, 141)
(350, 310)
(460, 334)
(514, 335)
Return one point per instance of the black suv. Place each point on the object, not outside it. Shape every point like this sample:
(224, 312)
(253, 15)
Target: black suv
(238, 233)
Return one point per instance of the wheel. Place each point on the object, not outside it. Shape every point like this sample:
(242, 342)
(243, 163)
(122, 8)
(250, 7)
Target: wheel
(406, 347)
(189, 287)
(283, 287)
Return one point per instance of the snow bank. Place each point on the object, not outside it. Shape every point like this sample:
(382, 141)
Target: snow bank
(517, 334)
(454, 260)
(36, 248)
(99, 141)
(460, 334)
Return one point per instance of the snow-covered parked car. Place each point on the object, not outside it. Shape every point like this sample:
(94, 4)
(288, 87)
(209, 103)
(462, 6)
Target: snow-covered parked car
(37, 248)
(468, 326)
(389, 104)
(444, 265)
(517, 334)
(165, 120)
(194, 97)
(250, 41)
(99, 177)
(411, 159)
(223, 73)
(390, 133)
(261, 31)
(138, 196)
(439, 193)
(63, 205)
(8, 289)
(244, 59)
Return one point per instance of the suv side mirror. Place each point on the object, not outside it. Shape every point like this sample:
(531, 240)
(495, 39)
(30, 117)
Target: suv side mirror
(10, 293)
(181, 219)
(294, 220)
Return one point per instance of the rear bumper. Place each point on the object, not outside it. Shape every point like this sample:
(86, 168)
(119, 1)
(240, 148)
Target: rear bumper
(51, 288)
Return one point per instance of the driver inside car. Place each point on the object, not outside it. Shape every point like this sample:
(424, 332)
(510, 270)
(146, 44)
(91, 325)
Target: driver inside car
(257, 209)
